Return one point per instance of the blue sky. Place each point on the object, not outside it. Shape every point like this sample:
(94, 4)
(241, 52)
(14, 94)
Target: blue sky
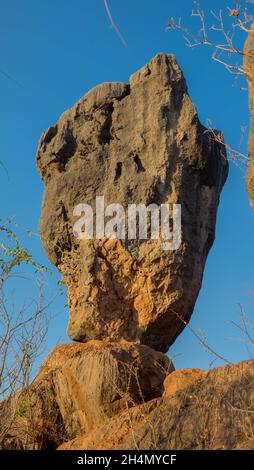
(55, 51)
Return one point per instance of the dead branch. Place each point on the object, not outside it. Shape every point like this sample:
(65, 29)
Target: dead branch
(223, 42)
(114, 26)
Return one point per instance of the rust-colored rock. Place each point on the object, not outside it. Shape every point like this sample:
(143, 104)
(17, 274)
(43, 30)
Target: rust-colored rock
(181, 379)
(249, 69)
(78, 388)
(31, 418)
(131, 143)
(96, 380)
(215, 413)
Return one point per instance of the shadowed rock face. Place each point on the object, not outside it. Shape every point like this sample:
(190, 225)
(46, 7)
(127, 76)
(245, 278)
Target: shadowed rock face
(131, 143)
(249, 69)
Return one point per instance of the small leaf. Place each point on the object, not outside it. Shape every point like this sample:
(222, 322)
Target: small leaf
(234, 13)
(169, 25)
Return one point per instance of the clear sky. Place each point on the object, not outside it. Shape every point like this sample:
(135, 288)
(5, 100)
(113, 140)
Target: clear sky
(55, 51)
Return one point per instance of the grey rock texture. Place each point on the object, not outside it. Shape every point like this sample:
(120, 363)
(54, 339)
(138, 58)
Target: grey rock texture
(140, 142)
(249, 69)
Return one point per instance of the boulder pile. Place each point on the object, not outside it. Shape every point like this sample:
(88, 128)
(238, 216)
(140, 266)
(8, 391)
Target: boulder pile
(129, 298)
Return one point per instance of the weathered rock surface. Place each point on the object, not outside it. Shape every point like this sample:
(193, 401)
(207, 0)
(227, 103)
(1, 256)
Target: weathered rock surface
(249, 69)
(131, 143)
(31, 419)
(216, 412)
(80, 386)
(181, 379)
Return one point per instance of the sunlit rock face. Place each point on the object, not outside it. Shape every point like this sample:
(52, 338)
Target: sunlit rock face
(249, 69)
(78, 388)
(133, 143)
(204, 415)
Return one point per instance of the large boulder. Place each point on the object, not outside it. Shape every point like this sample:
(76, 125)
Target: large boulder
(133, 143)
(31, 418)
(249, 70)
(215, 412)
(79, 387)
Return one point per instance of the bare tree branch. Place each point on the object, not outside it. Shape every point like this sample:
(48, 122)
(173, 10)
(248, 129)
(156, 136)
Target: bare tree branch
(114, 26)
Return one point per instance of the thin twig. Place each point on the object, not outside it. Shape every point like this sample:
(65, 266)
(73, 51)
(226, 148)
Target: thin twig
(114, 26)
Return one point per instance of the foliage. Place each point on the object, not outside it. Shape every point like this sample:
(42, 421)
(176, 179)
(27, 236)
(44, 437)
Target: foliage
(23, 328)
